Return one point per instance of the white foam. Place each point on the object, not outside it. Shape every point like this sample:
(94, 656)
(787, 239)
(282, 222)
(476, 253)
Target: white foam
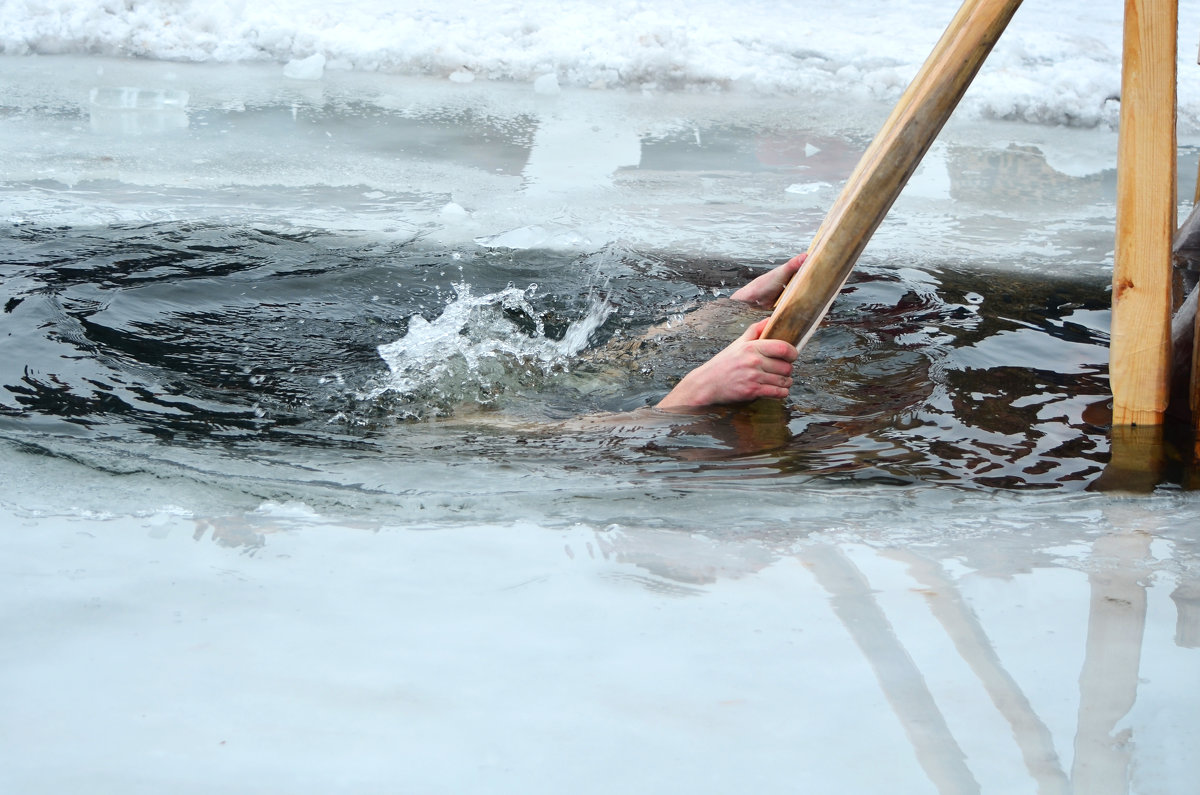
(471, 350)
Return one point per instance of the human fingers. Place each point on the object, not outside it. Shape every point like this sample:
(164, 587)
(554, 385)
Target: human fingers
(781, 380)
(776, 391)
(776, 367)
(777, 349)
(771, 348)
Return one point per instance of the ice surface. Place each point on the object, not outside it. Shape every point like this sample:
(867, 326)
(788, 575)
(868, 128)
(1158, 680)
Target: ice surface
(735, 174)
(272, 647)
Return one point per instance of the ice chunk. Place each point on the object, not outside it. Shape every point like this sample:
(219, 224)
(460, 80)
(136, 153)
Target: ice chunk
(550, 236)
(310, 68)
(805, 187)
(130, 98)
(547, 84)
(137, 111)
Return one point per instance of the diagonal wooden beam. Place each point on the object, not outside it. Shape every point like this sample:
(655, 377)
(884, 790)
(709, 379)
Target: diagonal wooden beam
(887, 164)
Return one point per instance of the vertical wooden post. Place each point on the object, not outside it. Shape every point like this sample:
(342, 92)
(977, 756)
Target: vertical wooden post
(1140, 352)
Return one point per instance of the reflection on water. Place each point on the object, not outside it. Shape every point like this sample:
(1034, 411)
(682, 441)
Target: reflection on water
(906, 601)
(1011, 643)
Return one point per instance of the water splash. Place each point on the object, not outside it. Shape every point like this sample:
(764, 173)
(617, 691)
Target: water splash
(478, 348)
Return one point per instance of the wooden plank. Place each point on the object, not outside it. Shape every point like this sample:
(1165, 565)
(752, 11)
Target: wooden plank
(1140, 350)
(886, 166)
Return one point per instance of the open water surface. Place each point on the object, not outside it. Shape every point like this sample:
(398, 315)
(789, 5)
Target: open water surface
(256, 344)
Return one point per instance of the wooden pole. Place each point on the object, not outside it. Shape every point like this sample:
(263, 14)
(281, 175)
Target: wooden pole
(1140, 349)
(886, 166)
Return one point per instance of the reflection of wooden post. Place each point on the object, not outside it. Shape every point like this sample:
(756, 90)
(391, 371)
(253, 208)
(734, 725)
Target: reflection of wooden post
(902, 682)
(1187, 620)
(1109, 680)
(963, 627)
(887, 164)
(1136, 461)
(1140, 356)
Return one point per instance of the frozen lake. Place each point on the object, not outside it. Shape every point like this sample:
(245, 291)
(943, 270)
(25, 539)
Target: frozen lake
(328, 464)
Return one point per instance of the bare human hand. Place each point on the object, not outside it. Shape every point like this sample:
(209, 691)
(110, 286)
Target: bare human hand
(765, 290)
(748, 369)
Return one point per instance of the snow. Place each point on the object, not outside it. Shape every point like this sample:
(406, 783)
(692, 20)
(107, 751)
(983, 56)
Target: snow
(1058, 63)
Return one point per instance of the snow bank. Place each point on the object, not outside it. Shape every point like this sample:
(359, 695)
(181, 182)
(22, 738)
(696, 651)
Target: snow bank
(1059, 62)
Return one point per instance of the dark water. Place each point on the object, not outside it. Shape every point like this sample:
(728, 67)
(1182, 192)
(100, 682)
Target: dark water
(138, 342)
